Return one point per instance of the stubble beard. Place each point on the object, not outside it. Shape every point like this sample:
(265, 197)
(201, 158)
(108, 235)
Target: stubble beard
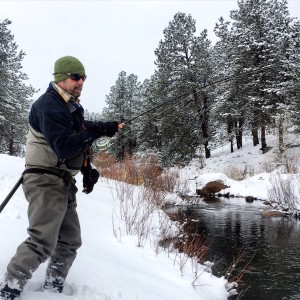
(75, 92)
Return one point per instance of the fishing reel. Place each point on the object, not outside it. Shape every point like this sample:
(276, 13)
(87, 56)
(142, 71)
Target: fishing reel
(102, 143)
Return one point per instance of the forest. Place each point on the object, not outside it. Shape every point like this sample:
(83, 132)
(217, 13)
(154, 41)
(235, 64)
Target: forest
(200, 95)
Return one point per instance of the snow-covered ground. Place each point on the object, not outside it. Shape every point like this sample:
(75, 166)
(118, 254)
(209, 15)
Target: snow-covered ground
(108, 265)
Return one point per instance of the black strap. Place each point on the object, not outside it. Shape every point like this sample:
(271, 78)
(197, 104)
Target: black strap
(65, 175)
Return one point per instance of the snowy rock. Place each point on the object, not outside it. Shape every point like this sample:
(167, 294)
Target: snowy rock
(211, 188)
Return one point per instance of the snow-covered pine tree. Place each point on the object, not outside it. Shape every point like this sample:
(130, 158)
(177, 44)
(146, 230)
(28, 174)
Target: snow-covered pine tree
(228, 107)
(146, 126)
(295, 68)
(260, 39)
(121, 107)
(183, 68)
(14, 94)
(92, 116)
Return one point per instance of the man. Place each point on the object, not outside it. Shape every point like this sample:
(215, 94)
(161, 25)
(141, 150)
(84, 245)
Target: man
(56, 150)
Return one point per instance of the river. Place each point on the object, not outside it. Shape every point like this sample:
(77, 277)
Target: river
(270, 264)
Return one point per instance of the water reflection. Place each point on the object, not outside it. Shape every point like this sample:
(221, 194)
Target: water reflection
(272, 245)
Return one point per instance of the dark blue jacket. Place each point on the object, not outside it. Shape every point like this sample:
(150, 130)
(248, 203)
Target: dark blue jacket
(64, 131)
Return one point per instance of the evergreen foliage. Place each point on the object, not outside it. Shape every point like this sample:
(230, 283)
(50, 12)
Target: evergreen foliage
(14, 94)
(121, 106)
(198, 97)
(260, 38)
(147, 126)
(194, 106)
(183, 68)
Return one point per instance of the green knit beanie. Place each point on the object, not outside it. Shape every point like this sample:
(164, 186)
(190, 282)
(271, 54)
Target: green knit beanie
(67, 64)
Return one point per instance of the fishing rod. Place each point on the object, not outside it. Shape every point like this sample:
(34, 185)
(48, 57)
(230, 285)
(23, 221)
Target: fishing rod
(197, 91)
(102, 143)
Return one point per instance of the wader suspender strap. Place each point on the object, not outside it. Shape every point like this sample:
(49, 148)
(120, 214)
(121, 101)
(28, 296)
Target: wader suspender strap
(59, 173)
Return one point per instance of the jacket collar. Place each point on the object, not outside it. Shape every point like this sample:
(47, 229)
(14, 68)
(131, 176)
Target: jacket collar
(66, 96)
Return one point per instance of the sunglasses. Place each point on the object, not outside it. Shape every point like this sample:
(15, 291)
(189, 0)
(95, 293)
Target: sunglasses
(75, 77)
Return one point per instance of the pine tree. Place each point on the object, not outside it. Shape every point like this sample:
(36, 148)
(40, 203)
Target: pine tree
(14, 94)
(259, 39)
(146, 126)
(121, 107)
(183, 68)
(295, 66)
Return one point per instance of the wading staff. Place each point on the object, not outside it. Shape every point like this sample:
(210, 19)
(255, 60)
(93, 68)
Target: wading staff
(8, 197)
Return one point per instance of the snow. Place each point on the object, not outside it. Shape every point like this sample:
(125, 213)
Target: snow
(115, 261)
(109, 265)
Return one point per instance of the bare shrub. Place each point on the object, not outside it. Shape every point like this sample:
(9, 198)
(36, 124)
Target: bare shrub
(165, 234)
(191, 247)
(283, 192)
(267, 166)
(134, 212)
(285, 163)
(103, 161)
(137, 208)
(236, 172)
(140, 171)
(236, 271)
(291, 162)
(166, 182)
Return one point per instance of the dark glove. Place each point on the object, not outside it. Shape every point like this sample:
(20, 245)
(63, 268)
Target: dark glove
(103, 128)
(110, 128)
(90, 178)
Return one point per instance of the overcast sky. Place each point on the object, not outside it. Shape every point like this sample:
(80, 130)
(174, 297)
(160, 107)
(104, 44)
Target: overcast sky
(107, 36)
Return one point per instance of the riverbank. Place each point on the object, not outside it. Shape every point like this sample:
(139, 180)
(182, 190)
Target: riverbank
(259, 254)
(247, 172)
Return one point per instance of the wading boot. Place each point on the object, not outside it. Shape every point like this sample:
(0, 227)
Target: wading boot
(54, 285)
(7, 293)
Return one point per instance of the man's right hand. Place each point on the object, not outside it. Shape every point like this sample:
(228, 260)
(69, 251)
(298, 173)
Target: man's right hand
(103, 128)
(110, 128)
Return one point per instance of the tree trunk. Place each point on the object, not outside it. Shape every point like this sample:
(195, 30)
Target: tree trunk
(205, 127)
(229, 131)
(204, 123)
(11, 147)
(255, 136)
(231, 145)
(207, 150)
(238, 133)
(280, 135)
(263, 139)
(241, 125)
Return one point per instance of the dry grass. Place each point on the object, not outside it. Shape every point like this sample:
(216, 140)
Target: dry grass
(236, 172)
(137, 206)
(283, 191)
(131, 171)
(288, 163)
(291, 162)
